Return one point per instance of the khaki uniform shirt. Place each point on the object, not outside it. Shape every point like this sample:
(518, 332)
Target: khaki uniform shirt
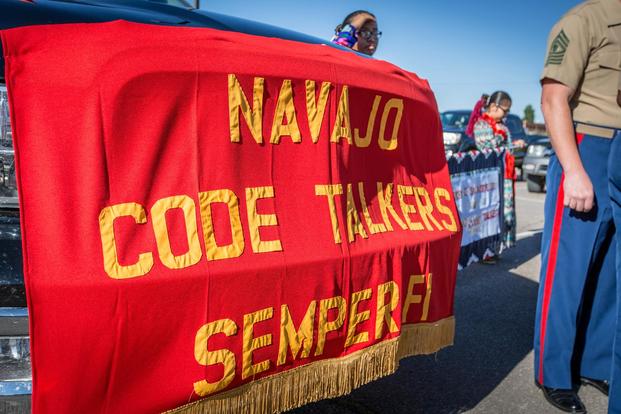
(584, 53)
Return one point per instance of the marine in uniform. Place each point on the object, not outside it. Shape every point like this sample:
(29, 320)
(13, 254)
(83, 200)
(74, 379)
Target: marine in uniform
(577, 304)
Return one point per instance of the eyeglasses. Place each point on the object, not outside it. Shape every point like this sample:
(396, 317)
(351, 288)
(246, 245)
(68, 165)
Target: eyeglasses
(368, 34)
(505, 110)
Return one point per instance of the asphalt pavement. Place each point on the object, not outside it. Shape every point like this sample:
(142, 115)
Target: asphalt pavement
(489, 369)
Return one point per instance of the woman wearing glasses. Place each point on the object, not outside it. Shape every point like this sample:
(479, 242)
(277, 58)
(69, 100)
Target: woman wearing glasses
(358, 31)
(490, 133)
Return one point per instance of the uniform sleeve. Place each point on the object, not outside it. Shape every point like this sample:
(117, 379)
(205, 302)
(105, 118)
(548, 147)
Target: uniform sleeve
(568, 51)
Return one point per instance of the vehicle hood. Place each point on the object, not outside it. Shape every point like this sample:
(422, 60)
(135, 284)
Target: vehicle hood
(452, 129)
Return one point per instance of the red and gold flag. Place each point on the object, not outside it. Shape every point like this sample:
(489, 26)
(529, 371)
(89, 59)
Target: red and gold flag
(218, 221)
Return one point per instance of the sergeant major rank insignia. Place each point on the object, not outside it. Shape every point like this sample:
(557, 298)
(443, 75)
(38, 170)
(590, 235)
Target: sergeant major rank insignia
(558, 49)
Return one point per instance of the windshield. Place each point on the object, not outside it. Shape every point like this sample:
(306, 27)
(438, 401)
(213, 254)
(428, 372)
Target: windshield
(178, 3)
(455, 119)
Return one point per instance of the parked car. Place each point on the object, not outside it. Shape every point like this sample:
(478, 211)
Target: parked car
(15, 369)
(454, 125)
(535, 164)
(514, 123)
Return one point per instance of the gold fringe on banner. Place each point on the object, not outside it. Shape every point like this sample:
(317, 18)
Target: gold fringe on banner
(327, 378)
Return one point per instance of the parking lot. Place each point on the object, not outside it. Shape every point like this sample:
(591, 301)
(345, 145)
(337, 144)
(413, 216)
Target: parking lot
(489, 369)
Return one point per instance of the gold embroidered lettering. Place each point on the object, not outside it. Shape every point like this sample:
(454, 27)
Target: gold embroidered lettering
(384, 310)
(251, 343)
(221, 356)
(406, 208)
(108, 242)
(356, 318)
(365, 141)
(354, 225)
(330, 191)
(238, 102)
(342, 124)
(256, 220)
(391, 144)
(443, 193)
(285, 110)
(385, 203)
(160, 228)
(236, 247)
(315, 109)
(324, 327)
(295, 340)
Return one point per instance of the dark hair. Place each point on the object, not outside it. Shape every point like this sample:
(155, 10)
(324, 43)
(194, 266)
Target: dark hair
(498, 97)
(351, 16)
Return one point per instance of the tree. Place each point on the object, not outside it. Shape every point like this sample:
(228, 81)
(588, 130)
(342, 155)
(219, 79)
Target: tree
(529, 114)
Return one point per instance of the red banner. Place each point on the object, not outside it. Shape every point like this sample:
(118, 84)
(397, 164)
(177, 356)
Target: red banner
(213, 220)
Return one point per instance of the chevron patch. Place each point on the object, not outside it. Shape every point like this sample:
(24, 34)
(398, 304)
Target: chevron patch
(558, 49)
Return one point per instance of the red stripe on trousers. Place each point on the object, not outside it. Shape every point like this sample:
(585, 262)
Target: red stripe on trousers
(547, 291)
(579, 138)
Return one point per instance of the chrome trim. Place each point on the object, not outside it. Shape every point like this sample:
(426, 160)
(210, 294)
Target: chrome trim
(13, 312)
(15, 387)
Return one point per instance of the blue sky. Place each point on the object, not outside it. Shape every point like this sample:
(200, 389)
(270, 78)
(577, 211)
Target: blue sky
(464, 48)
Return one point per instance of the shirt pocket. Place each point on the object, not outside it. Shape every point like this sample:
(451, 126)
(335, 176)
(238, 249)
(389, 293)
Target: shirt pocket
(609, 72)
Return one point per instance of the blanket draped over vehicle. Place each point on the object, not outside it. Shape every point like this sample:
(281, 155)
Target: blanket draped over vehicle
(218, 221)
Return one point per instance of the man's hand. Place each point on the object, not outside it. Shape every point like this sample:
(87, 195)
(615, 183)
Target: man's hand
(578, 191)
(578, 188)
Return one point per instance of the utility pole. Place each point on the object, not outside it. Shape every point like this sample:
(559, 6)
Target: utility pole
(197, 4)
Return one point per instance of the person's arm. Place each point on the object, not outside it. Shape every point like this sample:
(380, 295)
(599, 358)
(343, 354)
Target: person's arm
(577, 186)
(519, 143)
